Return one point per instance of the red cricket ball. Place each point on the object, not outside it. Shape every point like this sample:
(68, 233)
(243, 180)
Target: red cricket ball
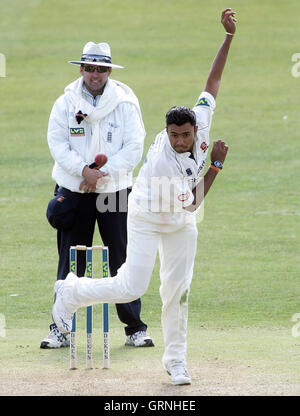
(100, 159)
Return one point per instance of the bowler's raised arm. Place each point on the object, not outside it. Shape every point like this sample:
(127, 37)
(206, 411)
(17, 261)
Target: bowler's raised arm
(214, 78)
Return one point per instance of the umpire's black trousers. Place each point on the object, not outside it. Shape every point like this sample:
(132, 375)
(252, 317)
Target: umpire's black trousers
(112, 226)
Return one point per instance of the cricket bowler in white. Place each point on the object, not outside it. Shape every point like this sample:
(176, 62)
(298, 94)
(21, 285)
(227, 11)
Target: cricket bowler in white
(163, 220)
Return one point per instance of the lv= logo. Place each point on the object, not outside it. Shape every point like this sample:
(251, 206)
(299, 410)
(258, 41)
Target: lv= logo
(77, 132)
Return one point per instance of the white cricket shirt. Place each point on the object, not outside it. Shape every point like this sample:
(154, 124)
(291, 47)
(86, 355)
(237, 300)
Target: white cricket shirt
(167, 178)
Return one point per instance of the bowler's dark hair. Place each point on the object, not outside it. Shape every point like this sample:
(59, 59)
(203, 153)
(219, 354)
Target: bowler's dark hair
(180, 115)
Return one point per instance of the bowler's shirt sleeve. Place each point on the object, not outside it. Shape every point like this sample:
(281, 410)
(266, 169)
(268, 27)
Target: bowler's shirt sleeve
(204, 109)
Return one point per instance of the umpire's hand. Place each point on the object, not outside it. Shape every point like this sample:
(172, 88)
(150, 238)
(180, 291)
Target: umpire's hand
(91, 176)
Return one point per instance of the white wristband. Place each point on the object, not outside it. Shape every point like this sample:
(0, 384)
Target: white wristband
(231, 34)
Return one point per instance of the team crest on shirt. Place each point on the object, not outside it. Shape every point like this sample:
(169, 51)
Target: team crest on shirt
(203, 146)
(202, 101)
(189, 172)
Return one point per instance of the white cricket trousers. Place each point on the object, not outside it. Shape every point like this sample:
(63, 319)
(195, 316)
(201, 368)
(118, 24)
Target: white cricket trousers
(176, 237)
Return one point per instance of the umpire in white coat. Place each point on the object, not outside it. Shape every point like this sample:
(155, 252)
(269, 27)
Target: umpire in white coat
(95, 114)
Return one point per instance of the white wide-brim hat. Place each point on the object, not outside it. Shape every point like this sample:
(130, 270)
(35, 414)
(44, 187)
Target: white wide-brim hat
(96, 54)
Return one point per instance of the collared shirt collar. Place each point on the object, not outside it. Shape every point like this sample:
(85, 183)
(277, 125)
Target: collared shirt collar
(94, 100)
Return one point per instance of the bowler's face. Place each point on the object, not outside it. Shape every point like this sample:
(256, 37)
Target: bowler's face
(95, 81)
(182, 137)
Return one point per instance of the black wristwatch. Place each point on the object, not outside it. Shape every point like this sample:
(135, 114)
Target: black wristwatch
(217, 164)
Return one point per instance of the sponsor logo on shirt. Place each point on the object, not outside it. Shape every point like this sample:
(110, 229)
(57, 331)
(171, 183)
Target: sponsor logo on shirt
(201, 167)
(184, 197)
(202, 101)
(189, 172)
(203, 146)
(76, 132)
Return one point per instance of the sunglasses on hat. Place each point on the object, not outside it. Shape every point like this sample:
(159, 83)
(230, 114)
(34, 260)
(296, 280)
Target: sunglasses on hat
(91, 68)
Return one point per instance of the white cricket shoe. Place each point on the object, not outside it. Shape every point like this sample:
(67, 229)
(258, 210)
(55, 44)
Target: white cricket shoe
(139, 339)
(55, 339)
(178, 372)
(60, 314)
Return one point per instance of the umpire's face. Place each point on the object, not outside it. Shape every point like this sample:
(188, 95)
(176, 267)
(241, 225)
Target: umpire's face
(182, 137)
(93, 79)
